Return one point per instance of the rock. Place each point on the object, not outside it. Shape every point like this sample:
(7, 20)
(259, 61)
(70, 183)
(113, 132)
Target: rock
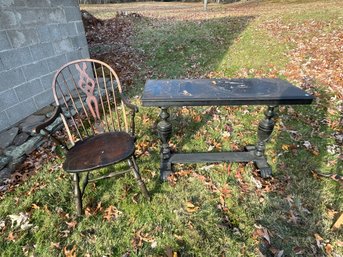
(5, 174)
(6, 137)
(17, 151)
(4, 160)
(20, 138)
(16, 163)
(31, 122)
(45, 110)
(56, 125)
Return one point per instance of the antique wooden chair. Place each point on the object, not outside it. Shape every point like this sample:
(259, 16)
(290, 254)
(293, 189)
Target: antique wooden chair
(94, 111)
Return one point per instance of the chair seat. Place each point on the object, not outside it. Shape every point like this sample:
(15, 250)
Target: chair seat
(99, 151)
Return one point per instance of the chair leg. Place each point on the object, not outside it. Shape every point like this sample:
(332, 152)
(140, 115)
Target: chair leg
(78, 195)
(133, 164)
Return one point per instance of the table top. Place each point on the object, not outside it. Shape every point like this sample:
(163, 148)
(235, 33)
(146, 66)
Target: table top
(195, 92)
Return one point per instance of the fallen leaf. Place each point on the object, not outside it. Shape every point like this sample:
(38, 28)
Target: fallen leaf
(111, 213)
(55, 245)
(35, 206)
(328, 249)
(293, 217)
(72, 224)
(338, 222)
(154, 244)
(190, 207)
(319, 240)
(21, 220)
(307, 144)
(11, 237)
(298, 250)
(262, 232)
(276, 252)
(197, 118)
(69, 253)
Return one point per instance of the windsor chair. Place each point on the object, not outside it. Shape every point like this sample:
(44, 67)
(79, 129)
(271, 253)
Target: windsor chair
(95, 113)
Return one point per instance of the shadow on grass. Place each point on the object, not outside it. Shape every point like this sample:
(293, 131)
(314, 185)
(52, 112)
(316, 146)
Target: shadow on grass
(186, 49)
(296, 210)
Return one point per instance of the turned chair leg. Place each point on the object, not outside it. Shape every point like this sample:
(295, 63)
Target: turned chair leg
(134, 166)
(78, 195)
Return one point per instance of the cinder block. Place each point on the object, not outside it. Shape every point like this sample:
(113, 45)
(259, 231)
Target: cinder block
(72, 13)
(46, 80)
(16, 57)
(79, 27)
(43, 99)
(42, 51)
(72, 56)
(79, 41)
(44, 33)
(85, 52)
(55, 32)
(4, 42)
(9, 19)
(23, 37)
(35, 70)
(29, 89)
(56, 15)
(38, 3)
(7, 99)
(6, 3)
(11, 78)
(56, 62)
(21, 110)
(4, 121)
(65, 3)
(31, 16)
(63, 46)
(21, 3)
(2, 66)
(69, 29)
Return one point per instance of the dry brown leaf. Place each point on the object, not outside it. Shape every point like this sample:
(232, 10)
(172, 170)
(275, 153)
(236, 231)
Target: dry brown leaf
(190, 207)
(338, 222)
(319, 240)
(293, 217)
(93, 211)
(197, 118)
(35, 206)
(262, 232)
(55, 245)
(328, 249)
(331, 213)
(111, 213)
(69, 253)
(72, 224)
(11, 237)
(298, 250)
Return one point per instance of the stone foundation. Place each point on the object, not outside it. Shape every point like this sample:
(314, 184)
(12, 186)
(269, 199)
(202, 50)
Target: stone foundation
(19, 141)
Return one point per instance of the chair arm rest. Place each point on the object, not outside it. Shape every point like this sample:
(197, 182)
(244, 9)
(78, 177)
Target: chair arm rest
(49, 121)
(129, 104)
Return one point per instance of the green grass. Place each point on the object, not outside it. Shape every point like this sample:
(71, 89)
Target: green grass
(230, 202)
(190, 46)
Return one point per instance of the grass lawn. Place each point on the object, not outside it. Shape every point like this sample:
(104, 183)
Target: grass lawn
(208, 210)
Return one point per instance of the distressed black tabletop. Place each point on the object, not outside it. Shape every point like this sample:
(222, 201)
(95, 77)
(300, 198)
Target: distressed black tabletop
(195, 92)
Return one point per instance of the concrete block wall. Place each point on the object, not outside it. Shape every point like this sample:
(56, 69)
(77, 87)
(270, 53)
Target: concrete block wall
(36, 38)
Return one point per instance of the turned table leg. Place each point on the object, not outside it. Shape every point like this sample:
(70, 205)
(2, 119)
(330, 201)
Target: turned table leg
(265, 129)
(164, 128)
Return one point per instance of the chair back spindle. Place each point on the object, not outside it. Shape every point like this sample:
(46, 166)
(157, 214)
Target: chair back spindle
(90, 94)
